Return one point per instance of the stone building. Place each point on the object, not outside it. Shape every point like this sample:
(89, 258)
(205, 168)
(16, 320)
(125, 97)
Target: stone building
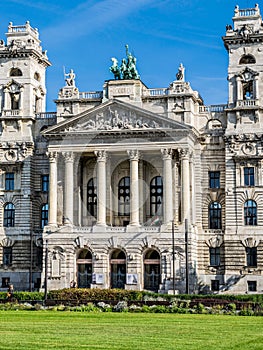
(132, 187)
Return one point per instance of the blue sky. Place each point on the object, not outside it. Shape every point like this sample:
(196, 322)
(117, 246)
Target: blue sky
(84, 35)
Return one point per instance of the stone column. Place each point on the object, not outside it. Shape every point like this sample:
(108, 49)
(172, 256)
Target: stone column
(68, 188)
(167, 185)
(134, 187)
(256, 94)
(101, 187)
(53, 199)
(239, 89)
(185, 183)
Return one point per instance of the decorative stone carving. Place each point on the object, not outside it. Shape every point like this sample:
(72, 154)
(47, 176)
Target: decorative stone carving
(52, 156)
(215, 241)
(133, 154)
(167, 153)
(68, 156)
(250, 242)
(101, 155)
(115, 119)
(7, 242)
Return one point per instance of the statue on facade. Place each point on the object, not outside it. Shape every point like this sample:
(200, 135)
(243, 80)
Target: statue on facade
(128, 69)
(70, 78)
(180, 73)
(115, 69)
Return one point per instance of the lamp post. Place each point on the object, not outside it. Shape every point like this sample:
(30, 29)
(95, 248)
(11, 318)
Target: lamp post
(173, 254)
(46, 271)
(186, 259)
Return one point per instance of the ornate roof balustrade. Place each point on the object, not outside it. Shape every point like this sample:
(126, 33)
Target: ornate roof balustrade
(46, 115)
(213, 108)
(158, 92)
(11, 112)
(22, 29)
(247, 103)
(247, 12)
(116, 229)
(91, 95)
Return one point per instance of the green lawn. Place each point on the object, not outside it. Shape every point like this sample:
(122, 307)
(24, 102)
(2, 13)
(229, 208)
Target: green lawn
(125, 331)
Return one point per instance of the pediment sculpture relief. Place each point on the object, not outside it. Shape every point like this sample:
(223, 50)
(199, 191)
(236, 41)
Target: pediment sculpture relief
(115, 119)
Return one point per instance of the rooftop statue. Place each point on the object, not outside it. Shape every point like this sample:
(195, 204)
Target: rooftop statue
(70, 78)
(128, 69)
(180, 73)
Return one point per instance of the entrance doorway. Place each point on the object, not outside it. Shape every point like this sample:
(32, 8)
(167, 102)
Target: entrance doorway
(152, 270)
(118, 269)
(84, 265)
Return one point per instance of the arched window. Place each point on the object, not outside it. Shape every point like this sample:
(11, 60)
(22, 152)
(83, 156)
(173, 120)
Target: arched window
(215, 216)
(9, 215)
(92, 197)
(152, 270)
(44, 215)
(84, 264)
(15, 72)
(118, 269)
(156, 199)
(124, 196)
(250, 212)
(247, 59)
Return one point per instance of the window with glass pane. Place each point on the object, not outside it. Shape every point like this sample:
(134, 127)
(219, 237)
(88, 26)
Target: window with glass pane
(251, 256)
(214, 179)
(45, 183)
(214, 256)
(7, 256)
(252, 286)
(44, 215)
(215, 216)
(92, 197)
(156, 199)
(249, 176)
(250, 213)
(124, 196)
(9, 181)
(9, 215)
(215, 285)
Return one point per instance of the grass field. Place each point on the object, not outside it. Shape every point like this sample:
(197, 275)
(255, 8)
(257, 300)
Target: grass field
(125, 331)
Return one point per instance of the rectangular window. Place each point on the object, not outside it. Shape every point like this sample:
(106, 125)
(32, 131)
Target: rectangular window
(252, 286)
(9, 181)
(5, 282)
(214, 256)
(44, 183)
(215, 285)
(249, 176)
(7, 256)
(214, 179)
(251, 256)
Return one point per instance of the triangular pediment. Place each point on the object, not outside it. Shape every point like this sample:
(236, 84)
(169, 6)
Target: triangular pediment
(114, 116)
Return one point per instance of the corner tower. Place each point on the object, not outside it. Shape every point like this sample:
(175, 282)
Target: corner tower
(243, 42)
(23, 66)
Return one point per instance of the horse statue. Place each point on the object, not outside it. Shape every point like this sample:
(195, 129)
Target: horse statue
(115, 69)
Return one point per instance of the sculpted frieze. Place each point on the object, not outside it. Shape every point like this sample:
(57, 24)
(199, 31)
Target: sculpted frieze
(115, 119)
(15, 151)
(245, 144)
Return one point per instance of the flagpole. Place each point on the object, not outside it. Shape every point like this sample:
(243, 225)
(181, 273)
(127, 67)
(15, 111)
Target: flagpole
(173, 256)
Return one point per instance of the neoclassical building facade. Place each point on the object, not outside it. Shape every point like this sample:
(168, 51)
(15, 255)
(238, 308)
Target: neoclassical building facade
(132, 187)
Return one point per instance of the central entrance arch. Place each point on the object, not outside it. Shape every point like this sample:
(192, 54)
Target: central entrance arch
(118, 269)
(84, 266)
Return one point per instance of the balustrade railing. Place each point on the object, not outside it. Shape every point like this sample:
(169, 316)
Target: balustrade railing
(247, 12)
(157, 92)
(247, 103)
(11, 112)
(91, 95)
(46, 115)
(213, 108)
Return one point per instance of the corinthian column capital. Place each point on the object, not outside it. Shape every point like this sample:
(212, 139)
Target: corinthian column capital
(184, 153)
(134, 154)
(101, 155)
(52, 156)
(68, 156)
(167, 153)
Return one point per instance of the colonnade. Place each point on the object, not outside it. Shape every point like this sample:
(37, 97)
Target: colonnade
(134, 157)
